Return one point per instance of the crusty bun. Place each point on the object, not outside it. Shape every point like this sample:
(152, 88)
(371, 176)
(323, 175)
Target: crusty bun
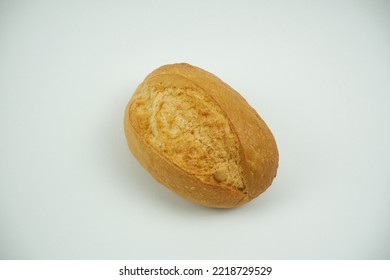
(199, 137)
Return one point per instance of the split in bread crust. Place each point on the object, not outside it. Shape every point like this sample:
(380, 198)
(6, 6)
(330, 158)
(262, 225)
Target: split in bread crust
(190, 130)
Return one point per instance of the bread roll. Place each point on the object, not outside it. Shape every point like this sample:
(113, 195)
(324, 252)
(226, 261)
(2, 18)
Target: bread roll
(197, 136)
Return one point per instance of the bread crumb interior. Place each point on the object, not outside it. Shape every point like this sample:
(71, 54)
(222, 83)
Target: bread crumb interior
(189, 128)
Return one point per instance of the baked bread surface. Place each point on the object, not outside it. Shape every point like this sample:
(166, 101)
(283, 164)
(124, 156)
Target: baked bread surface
(199, 137)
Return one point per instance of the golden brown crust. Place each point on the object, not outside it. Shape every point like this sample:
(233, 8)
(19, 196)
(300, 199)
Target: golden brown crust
(257, 158)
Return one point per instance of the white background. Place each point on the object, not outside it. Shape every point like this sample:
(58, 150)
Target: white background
(318, 72)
